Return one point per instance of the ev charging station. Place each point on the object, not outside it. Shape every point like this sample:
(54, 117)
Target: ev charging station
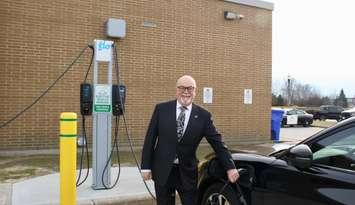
(102, 100)
(102, 115)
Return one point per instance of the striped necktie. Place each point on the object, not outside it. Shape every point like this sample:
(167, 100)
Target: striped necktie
(180, 123)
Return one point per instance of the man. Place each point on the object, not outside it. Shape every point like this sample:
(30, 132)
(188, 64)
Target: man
(169, 151)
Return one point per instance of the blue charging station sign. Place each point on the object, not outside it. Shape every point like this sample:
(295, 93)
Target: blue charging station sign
(102, 98)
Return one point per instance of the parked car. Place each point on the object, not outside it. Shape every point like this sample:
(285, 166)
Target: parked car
(347, 113)
(327, 112)
(296, 117)
(317, 171)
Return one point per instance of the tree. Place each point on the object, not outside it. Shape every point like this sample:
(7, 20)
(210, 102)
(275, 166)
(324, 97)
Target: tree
(326, 101)
(315, 100)
(274, 100)
(295, 93)
(302, 94)
(277, 100)
(280, 101)
(341, 100)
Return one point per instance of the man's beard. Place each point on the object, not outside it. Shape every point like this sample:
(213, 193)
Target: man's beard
(186, 100)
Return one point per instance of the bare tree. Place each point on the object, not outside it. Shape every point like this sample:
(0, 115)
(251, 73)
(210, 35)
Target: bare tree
(300, 94)
(306, 95)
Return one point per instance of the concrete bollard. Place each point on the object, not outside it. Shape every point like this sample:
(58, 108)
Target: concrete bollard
(68, 134)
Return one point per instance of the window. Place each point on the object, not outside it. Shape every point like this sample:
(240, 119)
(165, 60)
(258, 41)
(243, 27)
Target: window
(300, 112)
(291, 112)
(337, 150)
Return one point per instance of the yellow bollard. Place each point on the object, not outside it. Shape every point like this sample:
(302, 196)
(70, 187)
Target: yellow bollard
(68, 131)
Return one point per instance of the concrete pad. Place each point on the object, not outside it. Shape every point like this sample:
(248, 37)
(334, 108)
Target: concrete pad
(44, 190)
(5, 194)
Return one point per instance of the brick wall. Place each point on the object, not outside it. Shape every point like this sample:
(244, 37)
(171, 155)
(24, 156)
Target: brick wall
(39, 39)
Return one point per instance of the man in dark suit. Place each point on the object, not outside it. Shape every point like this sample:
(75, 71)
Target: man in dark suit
(169, 152)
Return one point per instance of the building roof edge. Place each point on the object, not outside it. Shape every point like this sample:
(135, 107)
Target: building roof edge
(255, 3)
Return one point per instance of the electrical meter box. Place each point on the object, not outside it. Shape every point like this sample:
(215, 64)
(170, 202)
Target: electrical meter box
(116, 28)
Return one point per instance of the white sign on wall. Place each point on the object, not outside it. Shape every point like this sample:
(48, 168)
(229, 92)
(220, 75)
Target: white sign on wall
(248, 96)
(207, 95)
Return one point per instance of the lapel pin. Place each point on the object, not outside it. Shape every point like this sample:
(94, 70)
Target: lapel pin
(196, 116)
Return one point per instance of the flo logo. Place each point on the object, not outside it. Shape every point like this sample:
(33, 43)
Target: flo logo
(103, 46)
(103, 50)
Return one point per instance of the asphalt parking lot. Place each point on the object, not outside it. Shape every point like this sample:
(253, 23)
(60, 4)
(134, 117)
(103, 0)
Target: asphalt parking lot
(292, 135)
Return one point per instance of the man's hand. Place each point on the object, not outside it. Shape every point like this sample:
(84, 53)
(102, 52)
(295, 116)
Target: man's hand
(233, 175)
(147, 175)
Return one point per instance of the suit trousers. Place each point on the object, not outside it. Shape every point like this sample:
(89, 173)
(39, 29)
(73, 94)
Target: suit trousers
(166, 194)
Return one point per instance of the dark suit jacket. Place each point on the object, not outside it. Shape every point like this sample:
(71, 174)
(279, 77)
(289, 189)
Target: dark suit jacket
(161, 144)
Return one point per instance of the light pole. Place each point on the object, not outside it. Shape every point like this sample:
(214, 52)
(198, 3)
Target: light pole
(289, 90)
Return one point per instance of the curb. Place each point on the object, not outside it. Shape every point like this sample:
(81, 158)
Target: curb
(136, 200)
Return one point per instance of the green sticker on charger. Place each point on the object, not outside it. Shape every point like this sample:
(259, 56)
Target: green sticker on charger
(102, 108)
(102, 98)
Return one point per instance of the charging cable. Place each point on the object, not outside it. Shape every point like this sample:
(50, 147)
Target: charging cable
(85, 144)
(134, 156)
(115, 145)
(45, 92)
(215, 199)
(126, 127)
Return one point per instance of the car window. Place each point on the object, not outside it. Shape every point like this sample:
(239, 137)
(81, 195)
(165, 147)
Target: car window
(291, 112)
(337, 150)
(300, 112)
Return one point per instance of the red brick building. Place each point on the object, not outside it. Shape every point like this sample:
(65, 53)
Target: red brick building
(164, 40)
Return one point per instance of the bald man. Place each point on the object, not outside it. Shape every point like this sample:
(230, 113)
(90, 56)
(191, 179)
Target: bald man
(169, 152)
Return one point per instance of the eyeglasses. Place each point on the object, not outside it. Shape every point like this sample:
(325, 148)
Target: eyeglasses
(183, 88)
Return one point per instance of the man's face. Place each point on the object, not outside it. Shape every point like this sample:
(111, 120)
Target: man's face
(185, 90)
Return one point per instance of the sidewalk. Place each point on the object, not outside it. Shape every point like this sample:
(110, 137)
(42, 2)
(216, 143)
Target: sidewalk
(44, 190)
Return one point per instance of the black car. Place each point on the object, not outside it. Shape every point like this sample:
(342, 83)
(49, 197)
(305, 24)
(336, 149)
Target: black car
(327, 112)
(319, 170)
(296, 117)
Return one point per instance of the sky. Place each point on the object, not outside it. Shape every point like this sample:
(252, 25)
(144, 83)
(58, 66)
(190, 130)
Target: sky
(314, 43)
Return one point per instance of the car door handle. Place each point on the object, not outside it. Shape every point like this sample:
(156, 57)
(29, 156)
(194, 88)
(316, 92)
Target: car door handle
(352, 166)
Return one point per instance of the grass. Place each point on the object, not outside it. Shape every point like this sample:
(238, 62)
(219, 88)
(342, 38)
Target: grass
(14, 169)
(324, 123)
